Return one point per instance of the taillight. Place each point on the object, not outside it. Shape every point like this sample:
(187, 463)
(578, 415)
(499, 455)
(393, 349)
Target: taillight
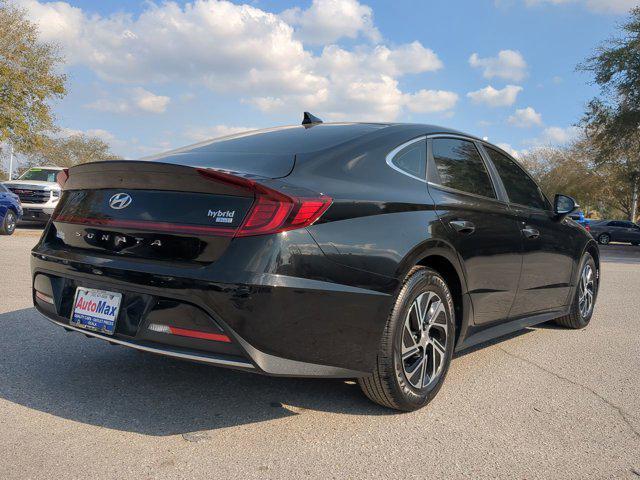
(62, 177)
(273, 211)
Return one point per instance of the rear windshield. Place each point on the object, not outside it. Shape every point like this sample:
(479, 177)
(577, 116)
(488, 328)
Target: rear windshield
(267, 153)
(40, 174)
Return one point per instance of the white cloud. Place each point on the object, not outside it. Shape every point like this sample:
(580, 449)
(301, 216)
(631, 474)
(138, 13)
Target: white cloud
(150, 102)
(559, 135)
(493, 97)
(326, 21)
(617, 7)
(510, 150)
(509, 65)
(362, 84)
(138, 99)
(242, 49)
(555, 136)
(428, 101)
(205, 133)
(525, 118)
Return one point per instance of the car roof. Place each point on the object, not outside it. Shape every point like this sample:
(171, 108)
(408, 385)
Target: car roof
(297, 139)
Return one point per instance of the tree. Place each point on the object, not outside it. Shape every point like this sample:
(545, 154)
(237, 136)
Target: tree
(29, 80)
(575, 169)
(70, 151)
(612, 121)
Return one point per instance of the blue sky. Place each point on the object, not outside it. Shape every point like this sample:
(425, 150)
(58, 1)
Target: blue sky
(147, 77)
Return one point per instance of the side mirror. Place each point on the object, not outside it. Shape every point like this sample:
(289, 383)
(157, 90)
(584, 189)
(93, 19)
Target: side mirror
(564, 205)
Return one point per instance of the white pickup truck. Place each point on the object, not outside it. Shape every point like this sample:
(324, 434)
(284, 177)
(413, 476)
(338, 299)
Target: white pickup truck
(38, 191)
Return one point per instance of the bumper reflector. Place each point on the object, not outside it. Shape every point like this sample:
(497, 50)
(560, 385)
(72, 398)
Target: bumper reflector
(44, 298)
(184, 332)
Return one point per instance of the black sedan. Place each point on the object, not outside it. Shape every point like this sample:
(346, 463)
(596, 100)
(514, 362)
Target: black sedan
(606, 231)
(352, 250)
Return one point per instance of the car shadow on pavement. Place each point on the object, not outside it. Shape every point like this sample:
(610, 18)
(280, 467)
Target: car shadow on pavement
(87, 380)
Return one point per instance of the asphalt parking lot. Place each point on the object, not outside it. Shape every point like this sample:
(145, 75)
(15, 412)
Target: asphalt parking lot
(544, 403)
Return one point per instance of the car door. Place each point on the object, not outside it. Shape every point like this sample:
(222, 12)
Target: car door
(479, 223)
(628, 232)
(549, 244)
(634, 233)
(616, 231)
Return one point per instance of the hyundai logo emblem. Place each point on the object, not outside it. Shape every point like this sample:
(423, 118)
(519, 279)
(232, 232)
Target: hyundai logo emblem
(120, 201)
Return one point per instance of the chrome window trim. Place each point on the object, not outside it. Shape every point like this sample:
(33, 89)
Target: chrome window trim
(390, 156)
(462, 192)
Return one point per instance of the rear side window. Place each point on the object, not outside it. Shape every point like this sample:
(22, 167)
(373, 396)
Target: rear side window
(412, 160)
(520, 188)
(3, 189)
(460, 166)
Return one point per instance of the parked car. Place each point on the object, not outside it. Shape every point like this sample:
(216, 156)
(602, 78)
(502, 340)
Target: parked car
(10, 211)
(607, 231)
(352, 250)
(38, 191)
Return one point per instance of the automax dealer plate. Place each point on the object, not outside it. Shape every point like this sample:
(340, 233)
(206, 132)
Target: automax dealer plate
(95, 310)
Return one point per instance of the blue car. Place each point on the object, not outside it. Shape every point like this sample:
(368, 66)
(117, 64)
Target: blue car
(10, 211)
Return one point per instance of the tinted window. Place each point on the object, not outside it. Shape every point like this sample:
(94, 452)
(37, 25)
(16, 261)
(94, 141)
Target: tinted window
(3, 189)
(40, 174)
(520, 188)
(460, 166)
(412, 160)
(617, 224)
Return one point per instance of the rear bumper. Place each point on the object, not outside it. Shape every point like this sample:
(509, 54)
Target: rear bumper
(279, 325)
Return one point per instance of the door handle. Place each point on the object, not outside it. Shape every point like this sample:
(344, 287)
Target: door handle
(530, 232)
(463, 226)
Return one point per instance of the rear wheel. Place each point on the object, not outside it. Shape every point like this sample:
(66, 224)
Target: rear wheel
(604, 239)
(582, 307)
(9, 224)
(416, 346)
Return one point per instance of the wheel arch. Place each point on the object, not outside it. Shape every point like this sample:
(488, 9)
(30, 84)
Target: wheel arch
(444, 261)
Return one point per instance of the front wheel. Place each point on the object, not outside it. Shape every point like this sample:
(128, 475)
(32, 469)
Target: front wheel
(585, 298)
(416, 346)
(604, 239)
(8, 225)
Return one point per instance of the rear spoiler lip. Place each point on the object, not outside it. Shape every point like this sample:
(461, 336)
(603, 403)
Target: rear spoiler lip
(147, 175)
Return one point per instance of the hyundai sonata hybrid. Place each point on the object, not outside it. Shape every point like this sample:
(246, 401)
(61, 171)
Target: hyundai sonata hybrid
(369, 251)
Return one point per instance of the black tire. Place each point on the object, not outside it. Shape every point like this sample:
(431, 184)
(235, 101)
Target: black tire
(604, 239)
(635, 244)
(389, 384)
(9, 223)
(576, 319)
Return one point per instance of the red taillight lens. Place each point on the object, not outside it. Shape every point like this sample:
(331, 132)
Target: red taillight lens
(273, 211)
(62, 177)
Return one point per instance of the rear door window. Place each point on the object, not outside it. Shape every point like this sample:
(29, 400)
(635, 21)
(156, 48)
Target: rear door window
(520, 188)
(460, 166)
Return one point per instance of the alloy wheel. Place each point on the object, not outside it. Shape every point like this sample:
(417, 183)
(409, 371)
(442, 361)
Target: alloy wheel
(11, 222)
(604, 239)
(586, 291)
(424, 340)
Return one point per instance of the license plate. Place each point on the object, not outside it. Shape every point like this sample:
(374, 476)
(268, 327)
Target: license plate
(95, 310)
